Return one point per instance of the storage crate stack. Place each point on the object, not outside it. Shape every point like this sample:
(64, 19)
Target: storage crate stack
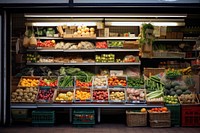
(160, 119)
(83, 117)
(175, 110)
(43, 118)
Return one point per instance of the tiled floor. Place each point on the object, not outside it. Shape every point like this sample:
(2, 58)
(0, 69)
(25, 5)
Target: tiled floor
(99, 128)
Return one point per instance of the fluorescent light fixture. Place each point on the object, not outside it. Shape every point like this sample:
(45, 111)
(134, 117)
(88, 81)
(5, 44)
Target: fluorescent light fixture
(106, 15)
(62, 23)
(140, 23)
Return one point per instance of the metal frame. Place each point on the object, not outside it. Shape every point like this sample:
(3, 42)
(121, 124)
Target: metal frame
(1, 71)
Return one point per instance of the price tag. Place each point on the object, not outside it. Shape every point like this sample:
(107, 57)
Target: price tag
(100, 25)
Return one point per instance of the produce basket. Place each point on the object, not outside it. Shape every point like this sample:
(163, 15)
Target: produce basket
(117, 82)
(188, 99)
(66, 82)
(29, 81)
(115, 43)
(160, 123)
(83, 95)
(83, 81)
(45, 95)
(153, 71)
(100, 82)
(117, 95)
(24, 95)
(190, 115)
(131, 45)
(175, 110)
(63, 96)
(135, 82)
(48, 81)
(159, 54)
(159, 116)
(135, 95)
(100, 96)
(43, 118)
(136, 118)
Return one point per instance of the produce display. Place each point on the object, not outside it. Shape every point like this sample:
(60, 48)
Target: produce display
(162, 109)
(186, 71)
(101, 45)
(105, 58)
(28, 82)
(83, 84)
(45, 95)
(74, 46)
(172, 74)
(52, 82)
(47, 59)
(100, 95)
(82, 94)
(84, 31)
(32, 57)
(176, 87)
(129, 58)
(27, 94)
(135, 82)
(135, 95)
(67, 96)
(47, 43)
(117, 96)
(66, 81)
(100, 82)
(171, 99)
(153, 83)
(115, 81)
(188, 99)
(115, 44)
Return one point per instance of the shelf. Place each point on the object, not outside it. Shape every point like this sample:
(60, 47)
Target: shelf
(162, 58)
(80, 50)
(117, 50)
(121, 63)
(190, 58)
(84, 64)
(83, 50)
(46, 63)
(117, 38)
(49, 38)
(189, 40)
(79, 64)
(44, 50)
(27, 106)
(168, 40)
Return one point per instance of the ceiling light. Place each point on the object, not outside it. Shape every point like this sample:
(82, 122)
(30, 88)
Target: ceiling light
(140, 23)
(61, 23)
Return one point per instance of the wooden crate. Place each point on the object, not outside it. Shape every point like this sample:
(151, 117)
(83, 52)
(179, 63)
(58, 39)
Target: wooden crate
(153, 71)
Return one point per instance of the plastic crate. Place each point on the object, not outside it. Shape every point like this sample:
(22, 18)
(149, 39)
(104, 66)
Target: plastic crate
(175, 110)
(83, 117)
(18, 114)
(43, 118)
(190, 115)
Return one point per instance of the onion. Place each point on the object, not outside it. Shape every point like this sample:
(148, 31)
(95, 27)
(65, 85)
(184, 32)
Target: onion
(128, 90)
(132, 91)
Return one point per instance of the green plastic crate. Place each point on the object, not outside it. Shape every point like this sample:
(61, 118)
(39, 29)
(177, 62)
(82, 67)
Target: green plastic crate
(18, 114)
(43, 118)
(175, 114)
(83, 117)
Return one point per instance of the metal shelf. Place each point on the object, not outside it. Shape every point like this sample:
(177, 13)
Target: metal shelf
(83, 50)
(85, 64)
(117, 38)
(49, 38)
(120, 63)
(44, 50)
(46, 63)
(168, 40)
(27, 106)
(162, 58)
(79, 64)
(80, 50)
(117, 50)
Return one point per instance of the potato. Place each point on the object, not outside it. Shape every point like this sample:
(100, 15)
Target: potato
(31, 89)
(28, 100)
(25, 94)
(26, 97)
(32, 98)
(18, 90)
(23, 100)
(35, 92)
(15, 93)
(19, 98)
(21, 90)
(30, 94)
(35, 89)
(21, 93)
